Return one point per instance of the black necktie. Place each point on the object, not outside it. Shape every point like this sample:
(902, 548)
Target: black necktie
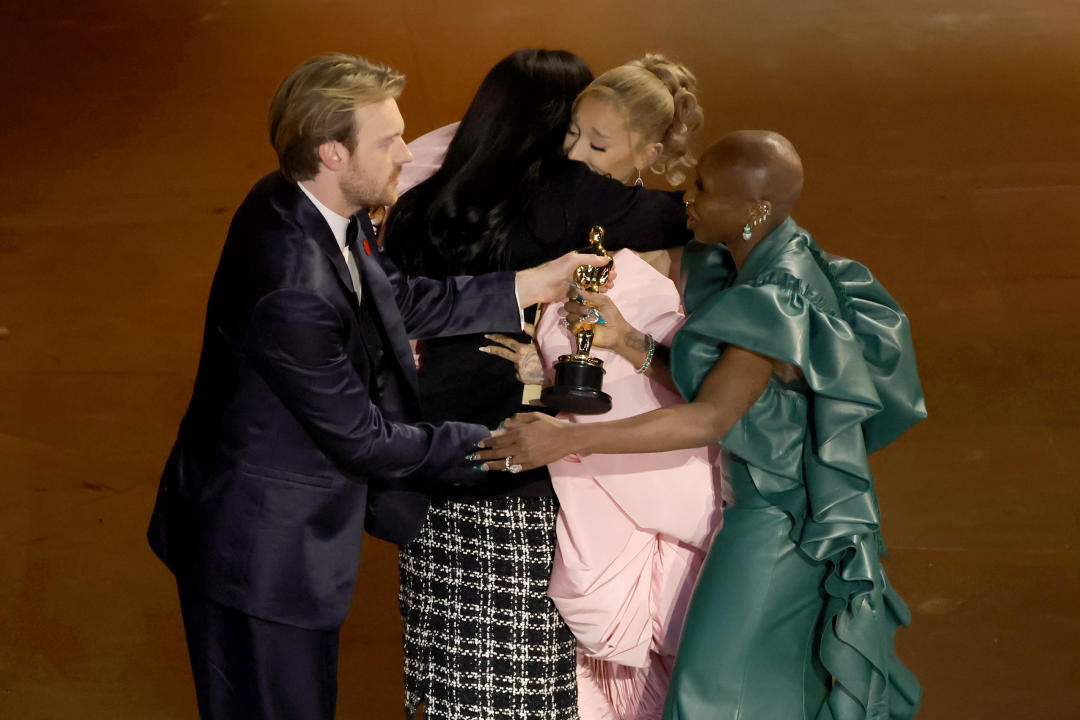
(370, 327)
(351, 232)
(353, 256)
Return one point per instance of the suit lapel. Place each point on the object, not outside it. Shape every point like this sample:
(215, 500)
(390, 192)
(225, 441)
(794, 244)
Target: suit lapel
(371, 275)
(386, 309)
(314, 223)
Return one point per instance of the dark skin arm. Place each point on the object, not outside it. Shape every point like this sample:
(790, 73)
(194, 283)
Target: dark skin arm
(733, 385)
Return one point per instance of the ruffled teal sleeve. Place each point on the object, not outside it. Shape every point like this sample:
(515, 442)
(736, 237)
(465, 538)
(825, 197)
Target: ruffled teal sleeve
(705, 270)
(884, 333)
(806, 452)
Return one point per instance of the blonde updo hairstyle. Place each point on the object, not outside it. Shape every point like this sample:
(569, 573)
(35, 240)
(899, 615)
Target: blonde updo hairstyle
(658, 99)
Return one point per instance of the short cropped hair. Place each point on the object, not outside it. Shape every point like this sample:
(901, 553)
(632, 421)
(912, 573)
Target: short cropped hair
(315, 105)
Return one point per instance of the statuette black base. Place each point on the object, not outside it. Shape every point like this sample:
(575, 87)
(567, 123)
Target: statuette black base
(577, 387)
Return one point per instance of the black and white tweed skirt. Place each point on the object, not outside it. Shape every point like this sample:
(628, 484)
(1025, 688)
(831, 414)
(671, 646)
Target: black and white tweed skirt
(482, 639)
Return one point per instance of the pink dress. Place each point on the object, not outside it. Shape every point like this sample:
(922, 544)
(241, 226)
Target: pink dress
(632, 530)
(429, 151)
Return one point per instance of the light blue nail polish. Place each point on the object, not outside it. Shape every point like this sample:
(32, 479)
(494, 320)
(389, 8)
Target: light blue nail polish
(471, 457)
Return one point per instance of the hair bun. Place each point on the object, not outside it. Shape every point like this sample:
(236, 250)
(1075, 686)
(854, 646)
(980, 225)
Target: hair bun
(659, 100)
(686, 119)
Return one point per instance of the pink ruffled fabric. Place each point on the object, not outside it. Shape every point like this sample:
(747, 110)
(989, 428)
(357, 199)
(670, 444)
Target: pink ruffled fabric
(429, 151)
(632, 530)
(609, 691)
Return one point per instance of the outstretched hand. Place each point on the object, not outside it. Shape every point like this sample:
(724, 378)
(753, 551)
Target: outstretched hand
(527, 439)
(524, 355)
(547, 282)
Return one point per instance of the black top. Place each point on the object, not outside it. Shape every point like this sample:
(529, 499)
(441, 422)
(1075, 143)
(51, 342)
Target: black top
(457, 381)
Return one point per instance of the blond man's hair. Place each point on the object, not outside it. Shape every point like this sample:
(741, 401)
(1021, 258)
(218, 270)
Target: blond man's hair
(315, 105)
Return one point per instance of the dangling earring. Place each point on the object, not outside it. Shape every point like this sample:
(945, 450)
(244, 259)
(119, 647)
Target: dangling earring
(746, 234)
(638, 182)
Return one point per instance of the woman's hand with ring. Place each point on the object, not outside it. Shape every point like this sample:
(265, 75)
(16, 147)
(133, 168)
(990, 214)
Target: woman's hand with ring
(528, 440)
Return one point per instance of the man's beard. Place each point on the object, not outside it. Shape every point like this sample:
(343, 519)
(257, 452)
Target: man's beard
(360, 190)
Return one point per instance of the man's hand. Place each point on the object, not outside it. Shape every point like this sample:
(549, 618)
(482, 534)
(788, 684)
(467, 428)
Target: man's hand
(547, 282)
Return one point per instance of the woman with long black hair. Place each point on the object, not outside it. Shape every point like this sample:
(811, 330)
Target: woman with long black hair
(482, 639)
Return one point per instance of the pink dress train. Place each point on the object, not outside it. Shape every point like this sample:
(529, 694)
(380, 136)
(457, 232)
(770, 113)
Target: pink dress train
(632, 530)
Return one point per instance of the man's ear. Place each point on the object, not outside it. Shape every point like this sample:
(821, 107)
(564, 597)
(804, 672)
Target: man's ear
(330, 155)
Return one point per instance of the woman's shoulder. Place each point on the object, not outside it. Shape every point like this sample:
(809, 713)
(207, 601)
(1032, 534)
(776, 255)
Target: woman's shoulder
(780, 304)
(711, 284)
(796, 271)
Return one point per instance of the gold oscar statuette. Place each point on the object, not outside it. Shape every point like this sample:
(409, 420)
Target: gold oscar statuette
(579, 377)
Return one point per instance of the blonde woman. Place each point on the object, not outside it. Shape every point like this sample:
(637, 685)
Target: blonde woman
(637, 117)
(632, 531)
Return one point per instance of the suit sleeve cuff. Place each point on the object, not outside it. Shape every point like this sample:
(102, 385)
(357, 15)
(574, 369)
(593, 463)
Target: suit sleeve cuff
(521, 310)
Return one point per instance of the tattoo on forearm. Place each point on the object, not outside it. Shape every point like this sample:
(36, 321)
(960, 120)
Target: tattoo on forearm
(635, 341)
(530, 371)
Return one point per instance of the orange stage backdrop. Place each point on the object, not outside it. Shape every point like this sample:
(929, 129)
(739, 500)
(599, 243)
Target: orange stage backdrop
(942, 148)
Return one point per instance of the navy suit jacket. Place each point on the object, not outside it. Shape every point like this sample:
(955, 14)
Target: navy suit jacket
(295, 437)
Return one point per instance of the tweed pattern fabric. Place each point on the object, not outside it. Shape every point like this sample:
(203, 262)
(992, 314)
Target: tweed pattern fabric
(482, 638)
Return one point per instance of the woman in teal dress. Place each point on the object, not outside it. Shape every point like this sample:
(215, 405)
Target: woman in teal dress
(800, 364)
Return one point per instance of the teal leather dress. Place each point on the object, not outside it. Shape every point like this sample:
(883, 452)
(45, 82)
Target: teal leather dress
(793, 616)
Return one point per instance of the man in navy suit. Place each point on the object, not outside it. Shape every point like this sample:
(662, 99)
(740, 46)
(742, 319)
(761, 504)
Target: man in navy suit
(302, 427)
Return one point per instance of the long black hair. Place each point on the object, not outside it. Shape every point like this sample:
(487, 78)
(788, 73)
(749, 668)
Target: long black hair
(458, 220)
